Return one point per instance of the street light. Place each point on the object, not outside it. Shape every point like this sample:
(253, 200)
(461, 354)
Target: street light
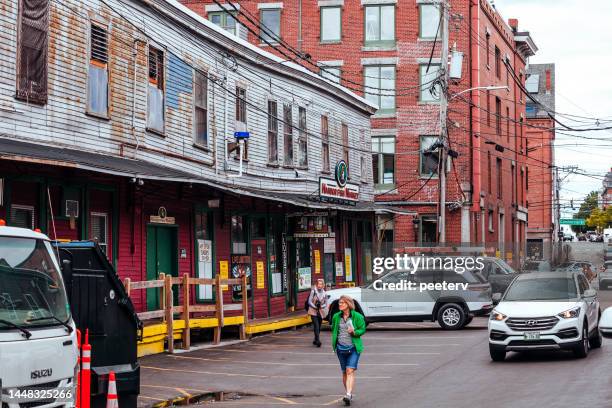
(480, 88)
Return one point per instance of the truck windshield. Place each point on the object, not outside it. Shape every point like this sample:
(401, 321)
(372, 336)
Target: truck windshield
(31, 288)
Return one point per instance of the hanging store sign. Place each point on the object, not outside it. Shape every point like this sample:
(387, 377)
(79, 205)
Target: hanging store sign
(331, 191)
(161, 217)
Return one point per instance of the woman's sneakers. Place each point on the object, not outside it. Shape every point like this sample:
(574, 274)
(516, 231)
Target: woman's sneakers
(347, 399)
(317, 343)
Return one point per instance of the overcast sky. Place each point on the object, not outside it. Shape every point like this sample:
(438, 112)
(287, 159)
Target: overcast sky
(576, 36)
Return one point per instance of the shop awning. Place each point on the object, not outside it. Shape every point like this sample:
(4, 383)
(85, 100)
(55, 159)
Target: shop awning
(17, 150)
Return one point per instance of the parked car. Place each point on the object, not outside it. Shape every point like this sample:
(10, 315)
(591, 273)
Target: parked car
(498, 273)
(536, 266)
(545, 311)
(582, 237)
(608, 254)
(605, 277)
(568, 237)
(452, 309)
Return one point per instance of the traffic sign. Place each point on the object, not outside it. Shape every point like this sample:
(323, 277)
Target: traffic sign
(572, 221)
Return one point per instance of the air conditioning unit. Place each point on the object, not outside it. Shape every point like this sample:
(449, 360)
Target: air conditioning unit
(72, 209)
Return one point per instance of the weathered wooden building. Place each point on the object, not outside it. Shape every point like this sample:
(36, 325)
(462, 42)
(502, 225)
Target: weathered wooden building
(124, 121)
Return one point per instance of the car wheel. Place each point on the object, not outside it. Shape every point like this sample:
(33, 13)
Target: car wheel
(597, 340)
(451, 316)
(582, 350)
(496, 354)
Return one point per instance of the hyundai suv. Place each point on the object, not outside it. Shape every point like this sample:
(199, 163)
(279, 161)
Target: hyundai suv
(545, 311)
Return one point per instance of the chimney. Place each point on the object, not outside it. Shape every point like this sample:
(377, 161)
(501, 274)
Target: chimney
(513, 23)
(548, 82)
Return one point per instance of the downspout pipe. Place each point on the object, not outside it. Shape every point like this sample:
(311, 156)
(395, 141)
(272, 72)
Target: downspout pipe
(475, 110)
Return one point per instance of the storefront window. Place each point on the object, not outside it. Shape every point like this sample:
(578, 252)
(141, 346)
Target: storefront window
(303, 263)
(239, 235)
(275, 257)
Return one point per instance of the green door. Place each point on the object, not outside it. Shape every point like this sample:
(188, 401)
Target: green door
(161, 258)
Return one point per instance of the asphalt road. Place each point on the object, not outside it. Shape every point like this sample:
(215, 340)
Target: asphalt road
(403, 365)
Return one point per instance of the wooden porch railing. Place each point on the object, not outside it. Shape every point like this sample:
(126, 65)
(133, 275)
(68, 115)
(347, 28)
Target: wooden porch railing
(167, 311)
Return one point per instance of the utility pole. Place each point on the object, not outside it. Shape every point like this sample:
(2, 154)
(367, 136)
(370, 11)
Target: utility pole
(443, 143)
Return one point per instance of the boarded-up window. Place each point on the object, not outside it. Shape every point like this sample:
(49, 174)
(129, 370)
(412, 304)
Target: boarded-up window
(272, 132)
(22, 216)
(155, 93)
(200, 106)
(32, 43)
(288, 134)
(345, 146)
(241, 117)
(97, 88)
(303, 138)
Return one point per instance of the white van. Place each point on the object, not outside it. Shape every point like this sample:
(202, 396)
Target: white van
(38, 343)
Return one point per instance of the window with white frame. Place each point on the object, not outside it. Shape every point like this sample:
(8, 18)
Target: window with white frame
(380, 86)
(380, 24)
(429, 90)
(429, 21)
(156, 89)
(302, 138)
(325, 143)
(334, 74)
(99, 230)
(200, 108)
(97, 80)
(224, 20)
(331, 24)
(383, 160)
(272, 132)
(429, 158)
(270, 19)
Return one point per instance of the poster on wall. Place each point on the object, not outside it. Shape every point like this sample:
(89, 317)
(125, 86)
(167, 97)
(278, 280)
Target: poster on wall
(304, 278)
(205, 292)
(224, 271)
(348, 265)
(277, 283)
(329, 245)
(339, 269)
(261, 279)
(317, 261)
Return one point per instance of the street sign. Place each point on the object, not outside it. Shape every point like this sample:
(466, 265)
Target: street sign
(572, 221)
(241, 135)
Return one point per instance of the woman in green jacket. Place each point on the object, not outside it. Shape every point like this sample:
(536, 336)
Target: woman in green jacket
(347, 328)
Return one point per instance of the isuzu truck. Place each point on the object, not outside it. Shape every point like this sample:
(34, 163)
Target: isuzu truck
(38, 342)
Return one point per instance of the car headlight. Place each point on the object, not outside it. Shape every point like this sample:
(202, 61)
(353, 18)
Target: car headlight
(495, 315)
(570, 314)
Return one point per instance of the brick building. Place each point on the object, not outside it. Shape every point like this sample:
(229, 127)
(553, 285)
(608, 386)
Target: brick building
(386, 50)
(543, 221)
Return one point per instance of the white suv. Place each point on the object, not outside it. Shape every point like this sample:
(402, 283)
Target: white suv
(545, 311)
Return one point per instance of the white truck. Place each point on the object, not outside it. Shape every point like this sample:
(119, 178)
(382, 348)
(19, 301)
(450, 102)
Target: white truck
(38, 342)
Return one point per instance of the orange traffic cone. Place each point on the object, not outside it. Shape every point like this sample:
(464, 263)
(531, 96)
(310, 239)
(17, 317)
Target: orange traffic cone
(111, 399)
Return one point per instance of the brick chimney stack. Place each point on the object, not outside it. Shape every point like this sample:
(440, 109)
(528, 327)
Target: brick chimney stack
(513, 23)
(548, 82)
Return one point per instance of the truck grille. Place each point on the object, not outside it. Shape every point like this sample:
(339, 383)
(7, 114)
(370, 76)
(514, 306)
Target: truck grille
(521, 324)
